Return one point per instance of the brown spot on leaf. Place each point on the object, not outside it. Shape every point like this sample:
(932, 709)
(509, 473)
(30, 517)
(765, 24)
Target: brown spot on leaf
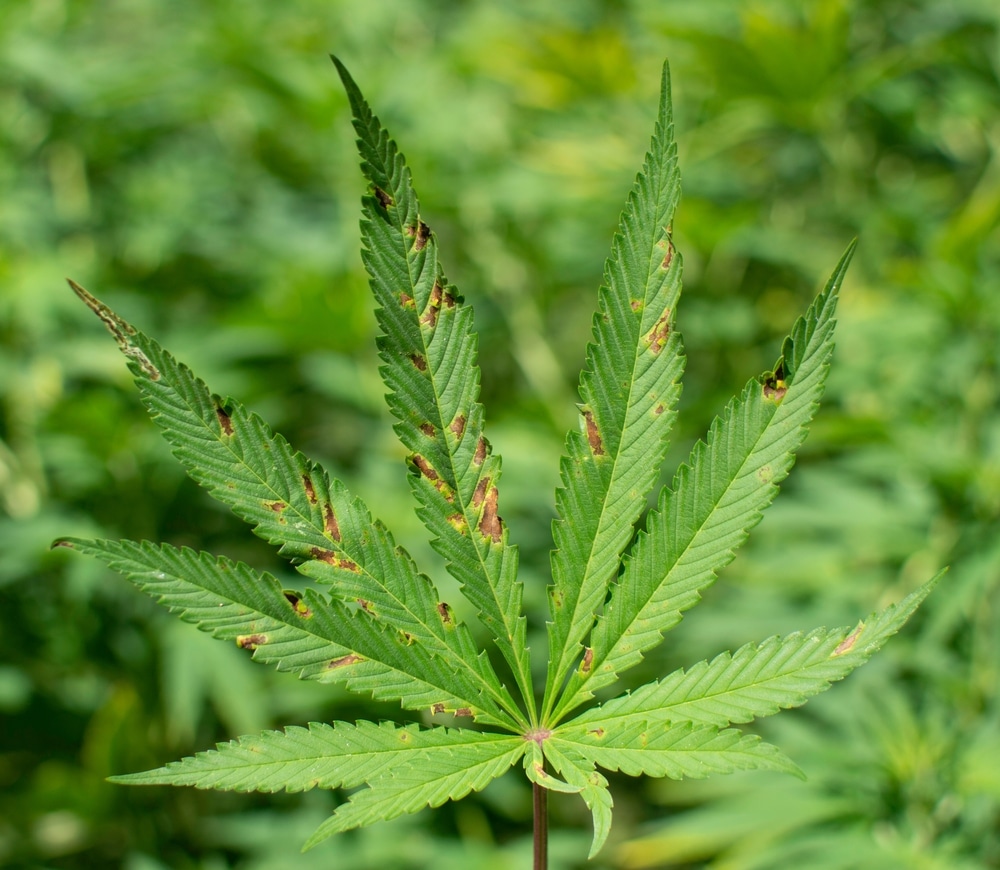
(593, 435)
(420, 234)
(479, 496)
(636, 305)
(120, 329)
(668, 256)
(463, 711)
(330, 524)
(597, 732)
(366, 606)
(310, 489)
(298, 605)
(458, 426)
(383, 198)
(251, 641)
(449, 300)
(430, 316)
(428, 429)
(423, 234)
(775, 386)
(656, 338)
(444, 611)
(588, 661)
(419, 361)
(344, 661)
(482, 448)
(659, 409)
(490, 523)
(438, 708)
(848, 642)
(433, 306)
(276, 506)
(428, 471)
(322, 555)
(406, 300)
(225, 421)
(331, 558)
(424, 467)
(458, 523)
(406, 637)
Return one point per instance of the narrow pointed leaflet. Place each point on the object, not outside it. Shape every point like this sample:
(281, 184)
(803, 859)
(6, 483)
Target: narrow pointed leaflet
(758, 679)
(629, 390)
(428, 348)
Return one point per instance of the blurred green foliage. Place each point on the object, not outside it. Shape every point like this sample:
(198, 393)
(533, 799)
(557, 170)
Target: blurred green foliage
(192, 162)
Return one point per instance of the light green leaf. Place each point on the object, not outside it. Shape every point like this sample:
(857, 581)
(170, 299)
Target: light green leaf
(759, 679)
(717, 497)
(467, 762)
(535, 769)
(307, 634)
(593, 788)
(342, 755)
(629, 388)
(428, 348)
(674, 751)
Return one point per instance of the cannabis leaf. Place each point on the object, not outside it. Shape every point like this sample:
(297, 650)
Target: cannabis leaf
(376, 624)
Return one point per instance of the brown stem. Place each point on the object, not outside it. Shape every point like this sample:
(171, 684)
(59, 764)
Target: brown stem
(540, 802)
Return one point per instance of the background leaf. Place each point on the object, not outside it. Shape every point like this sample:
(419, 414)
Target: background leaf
(185, 156)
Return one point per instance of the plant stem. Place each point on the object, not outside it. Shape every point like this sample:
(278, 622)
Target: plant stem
(540, 802)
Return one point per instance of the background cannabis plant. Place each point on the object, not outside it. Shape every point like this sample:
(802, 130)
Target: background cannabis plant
(368, 619)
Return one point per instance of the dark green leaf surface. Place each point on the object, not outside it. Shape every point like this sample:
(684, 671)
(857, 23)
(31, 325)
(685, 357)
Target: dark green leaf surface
(428, 348)
(308, 633)
(629, 389)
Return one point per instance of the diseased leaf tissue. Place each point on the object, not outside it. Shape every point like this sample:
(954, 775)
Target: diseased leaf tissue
(377, 625)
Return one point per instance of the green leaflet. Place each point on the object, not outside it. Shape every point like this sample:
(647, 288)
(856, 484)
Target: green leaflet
(674, 751)
(759, 679)
(377, 624)
(428, 348)
(306, 633)
(342, 755)
(629, 388)
(468, 762)
(579, 771)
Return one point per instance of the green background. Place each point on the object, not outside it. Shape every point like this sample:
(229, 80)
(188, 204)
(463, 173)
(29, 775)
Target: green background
(192, 164)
